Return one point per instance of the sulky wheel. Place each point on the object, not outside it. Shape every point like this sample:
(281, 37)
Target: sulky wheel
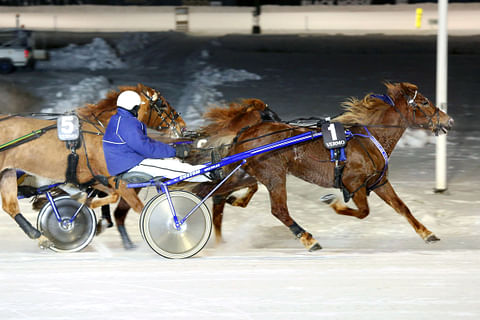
(67, 236)
(158, 227)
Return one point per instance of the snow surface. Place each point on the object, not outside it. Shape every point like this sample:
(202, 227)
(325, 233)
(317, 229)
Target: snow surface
(96, 55)
(376, 268)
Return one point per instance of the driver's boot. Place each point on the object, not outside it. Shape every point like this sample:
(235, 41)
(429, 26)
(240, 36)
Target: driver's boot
(217, 174)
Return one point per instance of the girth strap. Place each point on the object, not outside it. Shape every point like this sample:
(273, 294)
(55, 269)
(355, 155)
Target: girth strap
(71, 173)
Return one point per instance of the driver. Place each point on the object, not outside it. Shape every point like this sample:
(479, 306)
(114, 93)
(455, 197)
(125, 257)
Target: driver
(127, 147)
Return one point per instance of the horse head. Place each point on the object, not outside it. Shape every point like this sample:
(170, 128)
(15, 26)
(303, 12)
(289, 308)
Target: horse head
(157, 113)
(416, 110)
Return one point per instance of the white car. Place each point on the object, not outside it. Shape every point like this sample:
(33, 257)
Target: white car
(16, 50)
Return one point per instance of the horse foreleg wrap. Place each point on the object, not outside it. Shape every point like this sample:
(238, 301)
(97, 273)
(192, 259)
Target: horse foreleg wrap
(27, 227)
(296, 230)
(338, 172)
(218, 199)
(127, 243)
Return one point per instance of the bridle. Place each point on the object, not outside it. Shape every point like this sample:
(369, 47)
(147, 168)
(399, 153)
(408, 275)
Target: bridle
(166, 113)
(414, 106)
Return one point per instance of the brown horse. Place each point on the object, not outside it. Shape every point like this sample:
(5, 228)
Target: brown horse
(47, 156)
(365, 169)
(224, 124)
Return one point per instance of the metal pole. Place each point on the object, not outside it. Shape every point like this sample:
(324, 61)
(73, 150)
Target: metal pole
(441, 95)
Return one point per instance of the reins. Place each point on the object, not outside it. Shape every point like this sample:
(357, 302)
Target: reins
(32, 115)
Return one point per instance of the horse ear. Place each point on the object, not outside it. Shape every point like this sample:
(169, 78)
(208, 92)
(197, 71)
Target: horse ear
(255, 103)
(259, 104)
(408, 88)
(140, 87)
(393, 89)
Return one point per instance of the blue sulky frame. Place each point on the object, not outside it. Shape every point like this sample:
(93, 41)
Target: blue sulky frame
(46, 190)
(162, 187)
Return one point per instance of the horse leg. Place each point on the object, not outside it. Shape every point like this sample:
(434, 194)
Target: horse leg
(243, 201)
(360, 200)
(388, 195)
(109, 198)
(121, 211)
(278, 202)
(8, 190)
(120, 215)
(106, 220)
(217, 215)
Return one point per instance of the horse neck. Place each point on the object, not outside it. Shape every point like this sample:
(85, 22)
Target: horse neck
(393, 129)
(105, 117)
(101, 112)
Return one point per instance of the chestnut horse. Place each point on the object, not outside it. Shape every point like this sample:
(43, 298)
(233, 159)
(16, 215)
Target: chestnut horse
(366, 167)
(224, 124)
(47, 156)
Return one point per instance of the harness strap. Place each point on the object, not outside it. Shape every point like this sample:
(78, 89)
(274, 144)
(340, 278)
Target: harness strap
(96, 178)
(382, 151)
(385, 98)
(8, 117)
(26, 138)
(71, 173)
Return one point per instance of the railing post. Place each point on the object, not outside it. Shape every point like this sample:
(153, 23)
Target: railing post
(441, 94)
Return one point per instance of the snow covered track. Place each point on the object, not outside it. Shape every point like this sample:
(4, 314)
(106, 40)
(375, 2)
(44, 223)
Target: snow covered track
(372, 269)
(283, 284)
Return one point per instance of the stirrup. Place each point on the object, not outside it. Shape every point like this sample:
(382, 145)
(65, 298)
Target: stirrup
(217, 174)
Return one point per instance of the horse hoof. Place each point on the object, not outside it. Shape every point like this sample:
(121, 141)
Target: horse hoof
(129, 246)
(315, 247)
(231, 200)
(44, 243)
(431, 238)
(328, 198)
(309, 242)
(102, 225)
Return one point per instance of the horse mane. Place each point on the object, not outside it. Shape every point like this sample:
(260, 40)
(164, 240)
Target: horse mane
(370, 110)
(104, 107)
(224, 123)
(365, 111)
(219, 118)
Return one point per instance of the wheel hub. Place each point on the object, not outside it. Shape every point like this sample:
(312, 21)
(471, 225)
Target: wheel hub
(66, 224)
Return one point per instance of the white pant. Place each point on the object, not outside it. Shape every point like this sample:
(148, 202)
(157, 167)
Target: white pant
(169, 168)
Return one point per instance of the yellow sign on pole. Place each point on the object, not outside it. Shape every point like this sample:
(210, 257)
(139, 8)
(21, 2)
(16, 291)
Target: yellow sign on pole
(418, 18)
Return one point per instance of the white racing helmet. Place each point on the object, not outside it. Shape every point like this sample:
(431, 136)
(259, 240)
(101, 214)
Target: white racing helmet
(128, 100)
